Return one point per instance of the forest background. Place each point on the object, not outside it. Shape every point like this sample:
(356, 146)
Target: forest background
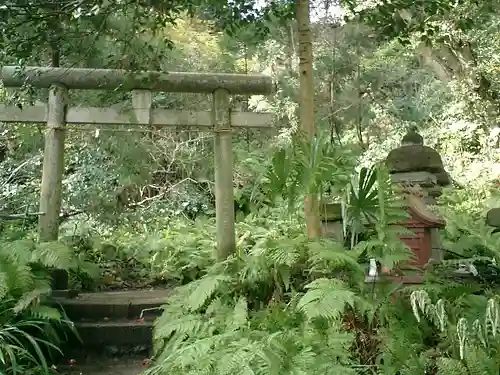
(138, 203)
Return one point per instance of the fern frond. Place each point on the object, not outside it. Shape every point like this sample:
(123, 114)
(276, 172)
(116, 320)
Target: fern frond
(18, 251)
(275, 350)
(254, 269)
(197, 351)
(450, 366)
(480, 362)
(303, 361)
(412, 365)
(204, 289)
(18, 277)
(28, 298)
(331, 255)
(281, 254)
(339, 341)
(394, 231)
(165, 360)
(53, 254)
(189, 325)
(326, 298)
(3, 285)
(238, 357)
(42, 312)
(239, 318)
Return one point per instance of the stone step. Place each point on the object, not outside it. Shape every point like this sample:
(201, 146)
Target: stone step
(118, 323)
(115, 333)
(104, 366)
(117, 305)
(109, 339)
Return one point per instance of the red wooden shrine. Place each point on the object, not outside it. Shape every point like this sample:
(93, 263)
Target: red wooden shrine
(420, 222)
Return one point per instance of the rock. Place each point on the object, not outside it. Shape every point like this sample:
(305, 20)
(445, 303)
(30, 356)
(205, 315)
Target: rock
(443, 178)
(330, 212)
(331, 221)
(414, 158)
(424, 179)
(435, 191)
(493, 217)
(412, 137)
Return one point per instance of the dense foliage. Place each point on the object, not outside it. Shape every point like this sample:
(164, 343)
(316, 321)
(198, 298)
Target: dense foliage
(138, 204)
(30, 330)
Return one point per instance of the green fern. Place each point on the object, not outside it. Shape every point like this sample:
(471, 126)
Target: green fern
(239, 318)
(24, 285)
(325, 298)
(307, 167)
(188, 325)
(46, 313)
(471, 351)
(204, 289)
(18, 277)
(53, 255)
(32, 297)
(252, 314)
(450, 366)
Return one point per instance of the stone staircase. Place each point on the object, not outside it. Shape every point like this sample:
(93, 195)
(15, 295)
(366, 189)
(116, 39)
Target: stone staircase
(109, 366)
(114, 327)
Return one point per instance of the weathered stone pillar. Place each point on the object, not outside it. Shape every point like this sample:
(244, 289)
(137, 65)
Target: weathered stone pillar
(331, 221)
(493, 218)
(417, 165)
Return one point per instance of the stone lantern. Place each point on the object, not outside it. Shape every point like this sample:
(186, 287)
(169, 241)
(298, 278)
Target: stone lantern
(419, 170)
(417, 164)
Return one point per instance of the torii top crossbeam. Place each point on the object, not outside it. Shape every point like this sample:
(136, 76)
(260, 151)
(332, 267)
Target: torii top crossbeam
(123, 80)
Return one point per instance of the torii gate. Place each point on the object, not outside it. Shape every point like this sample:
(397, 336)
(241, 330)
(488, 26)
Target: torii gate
(56, 114)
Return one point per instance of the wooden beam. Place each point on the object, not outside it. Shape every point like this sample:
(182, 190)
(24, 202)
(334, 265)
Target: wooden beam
(112, 116)
(141, 102)
(123, 80)
(29, 114)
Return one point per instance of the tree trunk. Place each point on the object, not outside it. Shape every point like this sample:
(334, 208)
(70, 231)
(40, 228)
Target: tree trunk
(306, 107)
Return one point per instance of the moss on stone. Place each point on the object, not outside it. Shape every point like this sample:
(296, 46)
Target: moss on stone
(330, 212)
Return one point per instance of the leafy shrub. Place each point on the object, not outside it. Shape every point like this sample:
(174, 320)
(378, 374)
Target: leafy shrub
(261, 311)
(469, 346)
(279, 305)
(457, 334)
(30, 330)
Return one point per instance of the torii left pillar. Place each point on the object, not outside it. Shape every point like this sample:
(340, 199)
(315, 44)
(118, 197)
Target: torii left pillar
(52, 175)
